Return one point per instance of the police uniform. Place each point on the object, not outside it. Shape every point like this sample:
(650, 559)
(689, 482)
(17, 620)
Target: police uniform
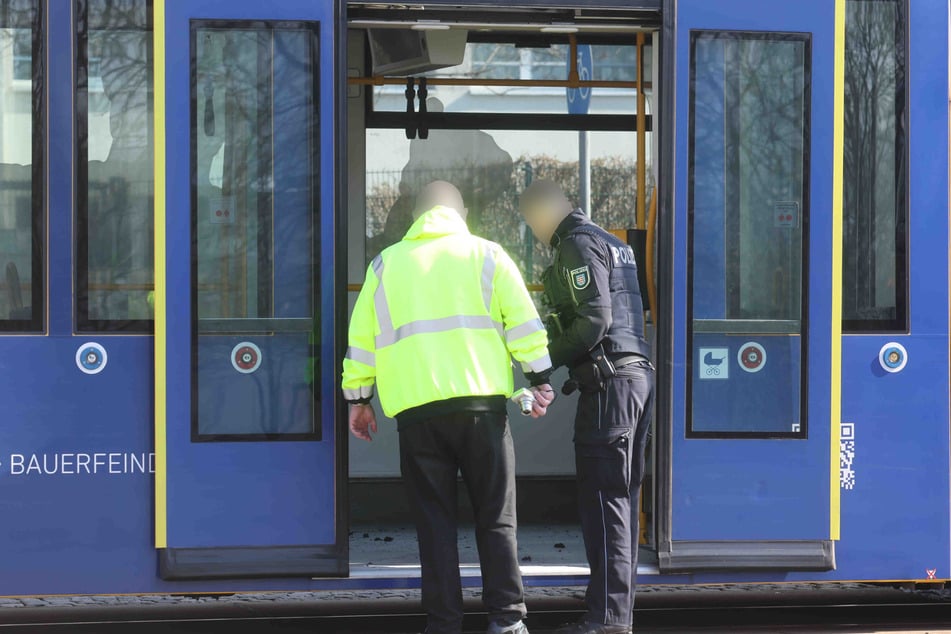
(597, 331)
(434, 330)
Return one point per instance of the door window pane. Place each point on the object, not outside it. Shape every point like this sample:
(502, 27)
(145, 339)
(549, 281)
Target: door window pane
(114, 166)
(254, 208)
(748, 209)
(22, 119)
(874, 288)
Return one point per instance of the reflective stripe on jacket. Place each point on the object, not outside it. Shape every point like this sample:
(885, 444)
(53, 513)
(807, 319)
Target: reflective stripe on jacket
(440, 316)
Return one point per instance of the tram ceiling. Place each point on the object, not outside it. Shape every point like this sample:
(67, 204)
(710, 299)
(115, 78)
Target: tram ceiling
(587, 31)
(583, 7)
(529, 17)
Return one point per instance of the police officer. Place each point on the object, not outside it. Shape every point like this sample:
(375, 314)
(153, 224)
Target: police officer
(435, 327)
(597, 331)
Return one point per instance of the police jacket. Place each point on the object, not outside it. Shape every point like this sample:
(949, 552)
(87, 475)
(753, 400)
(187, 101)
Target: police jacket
(592, 285)
(438, 320)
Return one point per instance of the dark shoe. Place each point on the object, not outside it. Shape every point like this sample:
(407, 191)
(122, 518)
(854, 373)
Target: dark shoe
(586, 627)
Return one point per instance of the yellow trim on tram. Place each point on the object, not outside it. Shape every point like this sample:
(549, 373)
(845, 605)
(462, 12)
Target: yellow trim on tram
(161, 289)
(838, 144)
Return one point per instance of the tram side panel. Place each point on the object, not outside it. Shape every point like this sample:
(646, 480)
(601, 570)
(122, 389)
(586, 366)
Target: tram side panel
(894, 448)
(75, 443)
(75, 454)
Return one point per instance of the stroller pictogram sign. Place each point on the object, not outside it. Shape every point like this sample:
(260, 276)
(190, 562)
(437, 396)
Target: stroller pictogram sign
(714, 363)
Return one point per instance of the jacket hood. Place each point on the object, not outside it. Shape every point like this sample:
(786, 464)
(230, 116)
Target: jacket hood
(438, 221)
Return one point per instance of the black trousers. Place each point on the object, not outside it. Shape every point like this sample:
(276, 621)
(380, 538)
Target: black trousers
(611, 429)
(432, 453)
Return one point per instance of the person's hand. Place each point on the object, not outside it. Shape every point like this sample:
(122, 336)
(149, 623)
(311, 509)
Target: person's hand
(544, 396)
(362, 421)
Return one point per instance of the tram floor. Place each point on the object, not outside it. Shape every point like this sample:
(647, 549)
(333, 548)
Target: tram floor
(557, 546)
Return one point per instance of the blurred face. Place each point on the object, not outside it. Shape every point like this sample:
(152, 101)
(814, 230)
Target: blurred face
(539, 216)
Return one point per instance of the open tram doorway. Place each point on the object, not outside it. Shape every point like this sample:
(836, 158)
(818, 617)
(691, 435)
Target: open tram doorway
(497, 113)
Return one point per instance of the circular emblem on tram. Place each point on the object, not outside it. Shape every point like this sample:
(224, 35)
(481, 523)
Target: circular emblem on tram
(246, 357)
(893, 357)
(91, 358)
(751, 357)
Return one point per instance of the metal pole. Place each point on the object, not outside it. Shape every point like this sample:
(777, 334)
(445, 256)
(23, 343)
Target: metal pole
(584, 163)
(641, 138)
(573, 56)
(584, 172)
(529, 237)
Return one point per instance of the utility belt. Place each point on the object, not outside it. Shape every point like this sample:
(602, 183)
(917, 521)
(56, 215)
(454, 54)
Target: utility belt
(592, 376)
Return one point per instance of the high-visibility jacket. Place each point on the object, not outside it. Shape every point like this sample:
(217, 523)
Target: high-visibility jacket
(440, 316)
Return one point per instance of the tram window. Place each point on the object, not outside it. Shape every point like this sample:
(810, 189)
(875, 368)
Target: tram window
(255, 156)
(504, 61)
(747, 205)
(491, 168)
(875, 294)
(115, 191)
(21, 168)
(532, 62)
(22, 55)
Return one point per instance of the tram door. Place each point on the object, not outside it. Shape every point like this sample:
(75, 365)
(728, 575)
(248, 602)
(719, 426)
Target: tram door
(248, 470)
(755, 387)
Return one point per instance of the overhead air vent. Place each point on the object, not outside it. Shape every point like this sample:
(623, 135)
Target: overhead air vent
(398, 52)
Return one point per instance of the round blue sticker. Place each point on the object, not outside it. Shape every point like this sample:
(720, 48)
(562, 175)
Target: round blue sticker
(893, 357)
(91, 358)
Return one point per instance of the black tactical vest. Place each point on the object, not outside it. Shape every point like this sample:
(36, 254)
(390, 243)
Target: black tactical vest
(626, 333)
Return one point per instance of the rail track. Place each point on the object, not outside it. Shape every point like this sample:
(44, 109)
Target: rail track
(913, 616)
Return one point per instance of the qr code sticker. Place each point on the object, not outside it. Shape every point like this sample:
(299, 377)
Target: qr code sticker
(847, 456)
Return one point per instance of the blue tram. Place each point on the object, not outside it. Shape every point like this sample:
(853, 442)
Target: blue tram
(190, 192)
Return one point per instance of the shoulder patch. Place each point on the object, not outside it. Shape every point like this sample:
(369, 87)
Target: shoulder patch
(580, 277)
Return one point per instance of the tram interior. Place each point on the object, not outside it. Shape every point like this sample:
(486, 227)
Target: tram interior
(490, 120)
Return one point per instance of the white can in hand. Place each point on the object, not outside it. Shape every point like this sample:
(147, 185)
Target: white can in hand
(525, 400)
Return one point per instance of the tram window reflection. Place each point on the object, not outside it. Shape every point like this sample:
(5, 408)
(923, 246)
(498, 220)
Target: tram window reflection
(256, 167)
(255, 203)
(748, 210)
(875, 209)
(21, 168)
(115, 166)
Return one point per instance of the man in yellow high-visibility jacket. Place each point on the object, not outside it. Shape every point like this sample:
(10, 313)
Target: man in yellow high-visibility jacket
(440, 317)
